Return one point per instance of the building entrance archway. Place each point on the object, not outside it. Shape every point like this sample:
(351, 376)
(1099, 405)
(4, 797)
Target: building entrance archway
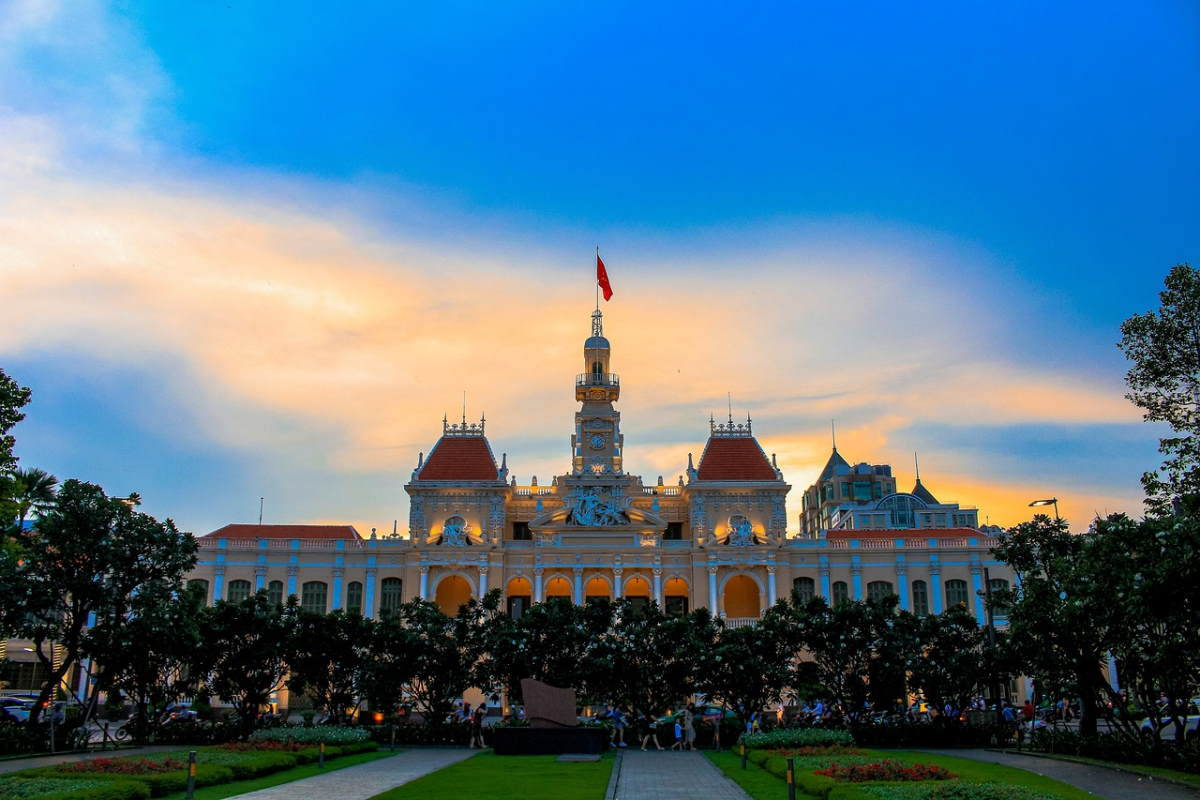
(452, 592)
(741, 597)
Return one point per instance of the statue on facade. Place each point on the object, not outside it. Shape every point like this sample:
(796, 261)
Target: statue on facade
(454, 532)
(594, 510)
(741, 532)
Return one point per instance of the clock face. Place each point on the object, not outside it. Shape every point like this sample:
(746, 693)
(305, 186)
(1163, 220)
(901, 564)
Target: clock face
(597, 441)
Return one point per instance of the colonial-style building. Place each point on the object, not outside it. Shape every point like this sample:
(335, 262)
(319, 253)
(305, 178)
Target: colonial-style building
(718, 539)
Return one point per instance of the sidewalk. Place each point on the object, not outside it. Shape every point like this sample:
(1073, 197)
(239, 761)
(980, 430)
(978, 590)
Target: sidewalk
(365, 780)
(12, 765)
(672, 775)
(1100, 781)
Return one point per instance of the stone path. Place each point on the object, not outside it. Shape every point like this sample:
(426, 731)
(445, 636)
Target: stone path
(1100, 781)
(12, 765)
(365, 780)
(672, 775)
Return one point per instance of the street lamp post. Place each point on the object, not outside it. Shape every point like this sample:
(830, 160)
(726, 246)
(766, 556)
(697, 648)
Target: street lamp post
(1049, 501)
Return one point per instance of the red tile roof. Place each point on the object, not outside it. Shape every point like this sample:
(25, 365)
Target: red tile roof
(460, 458)
(239, 531)
(737, 458)
(906, 533)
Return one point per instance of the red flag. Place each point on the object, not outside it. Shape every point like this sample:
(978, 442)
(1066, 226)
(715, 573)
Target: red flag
(602, 278)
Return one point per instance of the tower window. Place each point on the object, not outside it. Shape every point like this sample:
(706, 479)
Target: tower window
(674, 531)
(521, 532)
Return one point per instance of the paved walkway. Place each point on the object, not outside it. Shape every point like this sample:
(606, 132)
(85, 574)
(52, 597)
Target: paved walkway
(365, 780)
(1100, 781)
(673, 775)
(14, 764)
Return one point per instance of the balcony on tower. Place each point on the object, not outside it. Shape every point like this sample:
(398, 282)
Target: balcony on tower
(597, 386)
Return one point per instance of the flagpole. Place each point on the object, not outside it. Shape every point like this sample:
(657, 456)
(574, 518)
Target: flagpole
(597, 281)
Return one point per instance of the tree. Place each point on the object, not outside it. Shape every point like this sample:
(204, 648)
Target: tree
(88, 555)
(148, 653)
(445, 650)
(391, 666)
(32, 490)
(326, 657)
(13, 397)
(1164, 381)
(949, 666)
(243, 651)
(748, 667)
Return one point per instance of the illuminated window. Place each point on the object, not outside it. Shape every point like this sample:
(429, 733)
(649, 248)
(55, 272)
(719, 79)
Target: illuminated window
(354, 596)
(878, 590)
(920, 598)
(314, 596)
(391, 596)
(956, 593)
(841, 594)
(805, 589)
(275, 593)
(238, 591)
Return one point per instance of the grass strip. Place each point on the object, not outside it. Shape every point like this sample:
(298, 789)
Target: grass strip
(488, 776)
(276, 778)
(762, 785)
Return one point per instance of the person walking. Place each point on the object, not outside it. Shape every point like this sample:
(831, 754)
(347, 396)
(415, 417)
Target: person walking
(689, 727)
(678, 735)
(477, 727)
(648, 731)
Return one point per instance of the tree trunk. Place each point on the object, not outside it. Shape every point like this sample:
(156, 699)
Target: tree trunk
(1087, 709)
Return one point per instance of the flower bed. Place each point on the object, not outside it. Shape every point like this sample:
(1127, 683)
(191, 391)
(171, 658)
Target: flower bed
(125, 766)
(886, 770)
(328, 734)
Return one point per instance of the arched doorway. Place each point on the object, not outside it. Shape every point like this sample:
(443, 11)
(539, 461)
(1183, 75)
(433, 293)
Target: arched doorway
(558, 587)
(597, 588)
(637, 589)
(520, 595)
(741, 597)
(676, 591)
(452, 592)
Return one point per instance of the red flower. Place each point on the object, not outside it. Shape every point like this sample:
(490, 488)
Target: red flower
(886, 770)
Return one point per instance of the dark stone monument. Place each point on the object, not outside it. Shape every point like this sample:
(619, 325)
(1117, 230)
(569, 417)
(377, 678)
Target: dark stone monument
(553, 729)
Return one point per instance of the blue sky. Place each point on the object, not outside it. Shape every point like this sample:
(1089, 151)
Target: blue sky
(910, 201)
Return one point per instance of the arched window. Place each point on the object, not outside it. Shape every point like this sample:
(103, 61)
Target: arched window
(275, 593)
(238, 591)
(597, 370)
(199, 585)
(841, 594)
(354, 596)
(956, 593)
(676, 591)
(391, 596)
(998, 586)
(805, 589)
(313, 596)
(920, 598)
(903, 508)
(878, 590)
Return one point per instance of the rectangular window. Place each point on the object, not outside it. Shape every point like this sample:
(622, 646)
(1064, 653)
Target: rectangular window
(878, 590)
(314, 596)
(391, 596)
(354, 596)
(677, 606)
(805, 589)
(841, 593)
(275, 593)
(674, 531)
(521, 532)
(517, 605)
(956, 593)
(920, 599)
(238, 591)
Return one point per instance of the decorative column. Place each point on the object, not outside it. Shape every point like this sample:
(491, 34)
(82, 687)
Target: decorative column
(218, 583)
(537, 584)
(369, 594)
(826, 585)
(483, 587)
(902, 584)
(977, 586)
(260, 578)
(771, 596)
(424, 590)
(338, 574)
(578, 585)
(618, 589)
(291, 586)
(935, 585)
(714, 603)
(658, 595)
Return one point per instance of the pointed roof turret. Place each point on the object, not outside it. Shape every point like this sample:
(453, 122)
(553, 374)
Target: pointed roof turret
(733, 454)
(461, 454)
(836, 465)
(919, 490)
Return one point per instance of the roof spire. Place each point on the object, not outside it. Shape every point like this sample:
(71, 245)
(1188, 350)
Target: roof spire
(833, 433)
(729, 398)
(464, 417)
(917, 466)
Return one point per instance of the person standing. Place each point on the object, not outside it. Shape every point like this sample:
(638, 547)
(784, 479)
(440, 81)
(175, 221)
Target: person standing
(678, 735)
(689, 727)
(648, 731)
(477, 727)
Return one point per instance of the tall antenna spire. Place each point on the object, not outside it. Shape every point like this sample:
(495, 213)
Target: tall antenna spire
(729, 399)
(833, 433)
(464, 417)
(917, 466)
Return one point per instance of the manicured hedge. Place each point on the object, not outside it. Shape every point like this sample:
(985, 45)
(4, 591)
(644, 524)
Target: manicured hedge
(83, 788)
(937, 790)
(796, 737)
(328, 734)
(158, 784)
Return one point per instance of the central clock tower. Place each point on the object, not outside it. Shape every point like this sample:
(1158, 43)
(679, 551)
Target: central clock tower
(597, 444)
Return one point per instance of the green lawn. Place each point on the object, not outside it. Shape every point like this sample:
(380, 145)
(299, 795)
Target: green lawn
(762, 785)
(488, 776)
(276, 778)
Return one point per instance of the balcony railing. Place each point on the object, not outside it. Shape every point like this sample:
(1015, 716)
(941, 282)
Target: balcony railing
(598, 379)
